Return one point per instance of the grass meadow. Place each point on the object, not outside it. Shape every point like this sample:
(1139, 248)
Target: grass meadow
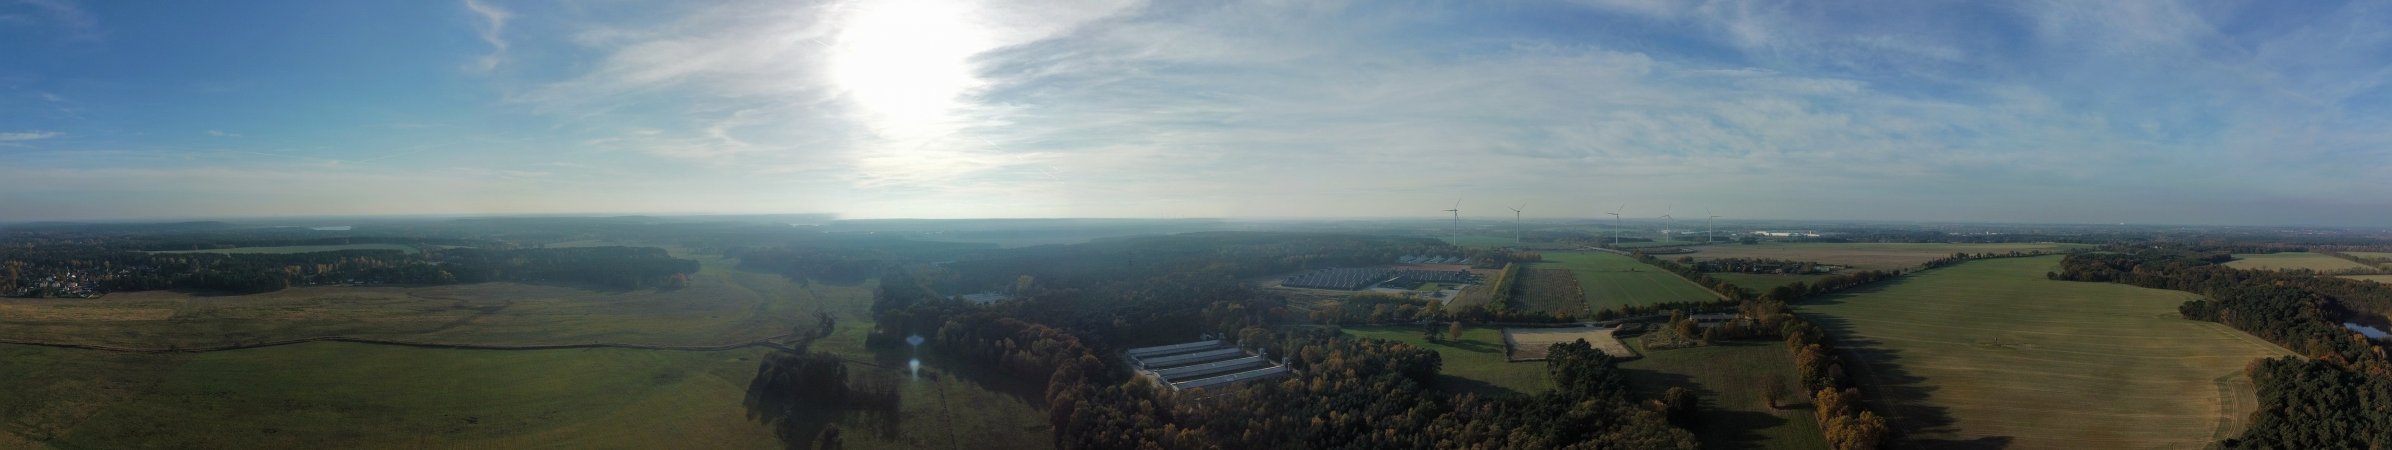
(342, 395)
(1730, 377)
(1989, 354)
(1610, 280)
(2292, 261)
(1474, 364)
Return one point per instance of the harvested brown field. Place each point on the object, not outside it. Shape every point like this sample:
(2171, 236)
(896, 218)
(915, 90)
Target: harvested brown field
(1530, 344)
(1878, 256)
(1550, 290)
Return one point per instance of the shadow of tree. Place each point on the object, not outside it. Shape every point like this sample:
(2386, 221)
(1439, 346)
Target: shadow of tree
(1888, 387)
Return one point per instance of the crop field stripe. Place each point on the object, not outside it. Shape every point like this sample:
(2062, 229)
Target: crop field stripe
(2036, 382)
(1901, 324)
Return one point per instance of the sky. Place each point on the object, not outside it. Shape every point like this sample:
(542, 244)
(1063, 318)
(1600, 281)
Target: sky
(2250, 113)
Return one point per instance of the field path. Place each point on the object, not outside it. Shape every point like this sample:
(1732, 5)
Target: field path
(1989, 354)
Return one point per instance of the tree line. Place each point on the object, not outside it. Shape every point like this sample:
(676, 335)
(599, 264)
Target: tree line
(247, 273)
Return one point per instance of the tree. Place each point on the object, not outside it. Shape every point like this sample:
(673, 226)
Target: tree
(1454, 330)
(829, 439)
(1679, 405)
(1773, 390)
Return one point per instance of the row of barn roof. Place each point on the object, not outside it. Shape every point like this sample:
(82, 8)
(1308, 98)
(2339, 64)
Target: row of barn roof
(1356, 279)
(1202, 364)
(1434, 260)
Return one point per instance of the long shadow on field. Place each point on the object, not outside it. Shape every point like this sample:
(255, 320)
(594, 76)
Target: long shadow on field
(1719, 428)
(803, 396)
(1470, 346)
(1458, 385)
(1891, 389)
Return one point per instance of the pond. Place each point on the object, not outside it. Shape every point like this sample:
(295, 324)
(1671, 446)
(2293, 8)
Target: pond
(2371, 332)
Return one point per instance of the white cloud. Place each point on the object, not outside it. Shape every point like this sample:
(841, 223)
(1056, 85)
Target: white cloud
(491, 28)
(78, 23)
(22, 136)
(221, 134)
(1178, 109)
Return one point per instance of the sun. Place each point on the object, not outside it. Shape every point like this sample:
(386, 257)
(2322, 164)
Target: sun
(905, 64)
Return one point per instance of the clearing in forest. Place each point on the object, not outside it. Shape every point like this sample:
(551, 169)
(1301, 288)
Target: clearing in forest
(1988, 353)
(1732, 378)
(1531, 344)
(2292, 261)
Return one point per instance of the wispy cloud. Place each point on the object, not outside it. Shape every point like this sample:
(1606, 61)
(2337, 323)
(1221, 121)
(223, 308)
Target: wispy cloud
(77, 23)
(221, 134)
(492, 27)
(22, 136)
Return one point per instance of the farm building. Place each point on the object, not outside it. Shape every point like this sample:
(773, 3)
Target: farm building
(1202, 364)
(1436, 276)
(1433, 260)
(1346, 279)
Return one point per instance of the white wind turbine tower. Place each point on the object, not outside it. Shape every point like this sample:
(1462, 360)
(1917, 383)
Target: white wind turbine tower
(1672, 224)
(1615, 225)
(1457, 215)
(1707, 225)
(1516, 224)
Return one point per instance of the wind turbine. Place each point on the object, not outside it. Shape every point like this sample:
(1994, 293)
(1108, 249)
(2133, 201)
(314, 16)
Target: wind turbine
(1457, 215)
(1673, 222)
(1615, 225)
(1516, 224)
(1707, 225)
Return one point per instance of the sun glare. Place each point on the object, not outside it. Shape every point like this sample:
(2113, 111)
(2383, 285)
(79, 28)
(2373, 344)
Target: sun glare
(904, 63)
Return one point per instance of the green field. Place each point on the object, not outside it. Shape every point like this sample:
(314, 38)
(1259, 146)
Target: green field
(1735, 414)
(1757, 282)
(339, 395)
(2370, 254)
(1878, 256)
(720, 305)
(1990, 354)
(1474, 364)
(2292, 261)
(1610, 280)
(2386, 279)
(299, 249)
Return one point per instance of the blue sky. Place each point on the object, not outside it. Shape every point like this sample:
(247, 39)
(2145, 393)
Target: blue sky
(2126, 111)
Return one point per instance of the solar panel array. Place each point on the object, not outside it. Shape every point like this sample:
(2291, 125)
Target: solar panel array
(1433, 260)
(1347, 279)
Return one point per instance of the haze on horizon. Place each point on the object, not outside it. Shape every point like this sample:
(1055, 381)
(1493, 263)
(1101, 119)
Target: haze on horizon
(2068, 112)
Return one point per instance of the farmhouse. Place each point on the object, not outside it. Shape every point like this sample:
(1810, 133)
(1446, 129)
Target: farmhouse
(1201, 365)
